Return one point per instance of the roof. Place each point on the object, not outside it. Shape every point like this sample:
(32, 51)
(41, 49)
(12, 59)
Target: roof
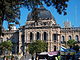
(42, 14)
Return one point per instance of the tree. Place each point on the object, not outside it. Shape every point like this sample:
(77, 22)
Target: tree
(6, 45)
(41, 46)
(10, 9)
(59, 5)
(71, 43)
(76, 48)
(37, 47)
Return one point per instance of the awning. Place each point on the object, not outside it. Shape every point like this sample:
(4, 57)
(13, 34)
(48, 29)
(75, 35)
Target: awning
(43, 53)
(53, 53)
(70, 50)
(63, 49)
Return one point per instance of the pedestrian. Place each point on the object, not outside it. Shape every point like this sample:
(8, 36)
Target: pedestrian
(59, 57)
(68, 56)
(56, 58)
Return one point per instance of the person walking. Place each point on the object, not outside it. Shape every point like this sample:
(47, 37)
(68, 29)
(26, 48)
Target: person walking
(59, 57)
(56, 58)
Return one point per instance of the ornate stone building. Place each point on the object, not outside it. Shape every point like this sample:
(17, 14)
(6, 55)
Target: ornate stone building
(45, 29)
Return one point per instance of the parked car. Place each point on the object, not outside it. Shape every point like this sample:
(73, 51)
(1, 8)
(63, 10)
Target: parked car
(77, 56)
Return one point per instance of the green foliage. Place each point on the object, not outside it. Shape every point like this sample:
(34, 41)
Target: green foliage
(71, 43)
(6, 45)
(41, 46)
(32, 48)
(76, 48)
(10, 9)
(37, 46)
(60, 5)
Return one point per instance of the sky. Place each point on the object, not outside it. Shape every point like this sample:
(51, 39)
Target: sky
(73, 15)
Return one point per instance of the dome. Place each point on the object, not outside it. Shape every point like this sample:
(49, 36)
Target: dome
(43, 14)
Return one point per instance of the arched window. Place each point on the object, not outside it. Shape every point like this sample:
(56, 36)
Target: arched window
(38, 36)
(55, 37)
(63, 38)
(70, 37)
(31, 36)
(45, 36)
(77, 38)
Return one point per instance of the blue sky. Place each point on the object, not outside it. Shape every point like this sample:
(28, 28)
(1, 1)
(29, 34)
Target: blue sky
(73, 14)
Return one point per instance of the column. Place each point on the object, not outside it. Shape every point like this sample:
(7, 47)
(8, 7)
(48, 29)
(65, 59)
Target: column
(25, 42)
(25, 36)
(34, 36)
(52, 43)
(49, 41)
(28, 37)
(41, 35)
(58, 42)
(20, 43)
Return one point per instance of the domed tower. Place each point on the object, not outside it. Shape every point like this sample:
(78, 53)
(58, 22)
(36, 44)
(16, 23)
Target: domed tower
(45, 28)
(43, 14)
(44, 18)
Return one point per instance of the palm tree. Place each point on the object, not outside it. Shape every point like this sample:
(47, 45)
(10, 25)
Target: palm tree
(71, 43)
(76, 48)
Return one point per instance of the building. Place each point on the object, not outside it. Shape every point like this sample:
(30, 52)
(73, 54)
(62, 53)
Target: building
(45, 29)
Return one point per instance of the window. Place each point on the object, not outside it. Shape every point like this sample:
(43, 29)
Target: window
(31, 36)
(70, 37)
(77, 38)
(54, 36)
(63, 39)
(38, 36)
(45, 36)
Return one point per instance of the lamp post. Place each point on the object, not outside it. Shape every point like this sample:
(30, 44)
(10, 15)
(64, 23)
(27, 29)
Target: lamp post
(23, 40)
(25, 45)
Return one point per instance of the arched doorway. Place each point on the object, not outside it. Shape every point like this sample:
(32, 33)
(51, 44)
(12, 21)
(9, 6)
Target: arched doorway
(54, 48)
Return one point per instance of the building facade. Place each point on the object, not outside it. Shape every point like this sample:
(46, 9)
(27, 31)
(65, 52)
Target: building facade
(45, 29)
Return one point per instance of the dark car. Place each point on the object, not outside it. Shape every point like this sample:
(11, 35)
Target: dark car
(77, 56)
